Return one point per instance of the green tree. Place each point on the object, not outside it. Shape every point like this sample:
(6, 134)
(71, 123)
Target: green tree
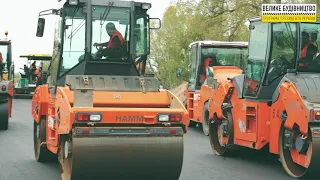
(170, 44)
(187, 21)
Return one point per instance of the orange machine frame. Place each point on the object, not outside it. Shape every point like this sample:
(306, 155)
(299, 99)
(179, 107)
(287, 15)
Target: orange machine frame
(285, 119)
(196, 100)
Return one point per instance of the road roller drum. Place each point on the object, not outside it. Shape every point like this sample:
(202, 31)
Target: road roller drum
(122, 153)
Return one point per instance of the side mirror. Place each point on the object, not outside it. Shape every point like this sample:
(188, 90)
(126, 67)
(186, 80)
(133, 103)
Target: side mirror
(154, 23)
(40, 29)
(178, 71)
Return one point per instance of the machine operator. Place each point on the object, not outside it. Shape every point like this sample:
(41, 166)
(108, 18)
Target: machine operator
(310, 48)
(210, 61)
(32, 71)
(116, 40)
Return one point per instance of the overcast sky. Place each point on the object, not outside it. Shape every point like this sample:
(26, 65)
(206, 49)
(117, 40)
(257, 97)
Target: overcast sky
(20, 17)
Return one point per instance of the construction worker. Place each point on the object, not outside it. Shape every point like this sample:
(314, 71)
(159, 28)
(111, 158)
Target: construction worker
(210, 61)
(26, 71)
(32, 71)
(115, 42)
(306, 41)
(1, 65)
(307, 52)
(39, 76)
(36, 73)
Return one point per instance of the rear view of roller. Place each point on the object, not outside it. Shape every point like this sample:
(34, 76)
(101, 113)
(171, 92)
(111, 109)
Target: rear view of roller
(98, 114)
(6, 81)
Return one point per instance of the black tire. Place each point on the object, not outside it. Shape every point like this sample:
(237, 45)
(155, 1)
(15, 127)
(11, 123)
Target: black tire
(217, 148)
(42, 154)
(291, 168)
(205, 119)
(4, 115)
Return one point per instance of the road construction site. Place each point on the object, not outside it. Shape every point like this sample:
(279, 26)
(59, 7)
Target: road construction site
(17, 156)
(97, 112)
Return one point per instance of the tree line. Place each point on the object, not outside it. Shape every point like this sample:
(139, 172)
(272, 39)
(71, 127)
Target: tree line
(186, 21)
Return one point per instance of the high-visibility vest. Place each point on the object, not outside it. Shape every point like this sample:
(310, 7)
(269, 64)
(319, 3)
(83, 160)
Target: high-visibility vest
(207, 63)
(304, 49)
(203, 75)
(117, 33)
(304, 52)
(37, 71)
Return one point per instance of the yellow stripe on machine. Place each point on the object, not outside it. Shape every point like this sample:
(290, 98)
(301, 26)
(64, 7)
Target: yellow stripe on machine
(37, 55)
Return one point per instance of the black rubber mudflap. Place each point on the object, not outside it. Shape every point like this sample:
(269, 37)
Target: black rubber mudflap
(4, 115)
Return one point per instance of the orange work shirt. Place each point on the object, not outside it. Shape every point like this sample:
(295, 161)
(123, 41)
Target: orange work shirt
(116, 34)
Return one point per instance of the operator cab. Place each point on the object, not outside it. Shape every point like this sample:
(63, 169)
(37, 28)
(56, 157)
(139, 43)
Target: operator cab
(221, 53)
(42, 62)
(82, 24)
(6, 56)
(276, 54)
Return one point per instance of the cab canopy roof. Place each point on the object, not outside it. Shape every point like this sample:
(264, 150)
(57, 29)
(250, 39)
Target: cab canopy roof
(220, 43)
(38, 57)
(4, 42)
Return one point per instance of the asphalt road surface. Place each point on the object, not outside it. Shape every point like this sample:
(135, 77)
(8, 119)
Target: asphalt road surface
(17, 160)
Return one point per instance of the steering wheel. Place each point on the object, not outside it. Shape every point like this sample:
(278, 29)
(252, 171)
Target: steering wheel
(100, 47)
(98, 54)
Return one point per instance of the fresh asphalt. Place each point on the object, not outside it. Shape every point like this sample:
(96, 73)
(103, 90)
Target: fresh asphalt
(17, 160)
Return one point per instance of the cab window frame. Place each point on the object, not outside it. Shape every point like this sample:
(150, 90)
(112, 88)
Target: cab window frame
(294, 28)
(62, 34)
(257, 59)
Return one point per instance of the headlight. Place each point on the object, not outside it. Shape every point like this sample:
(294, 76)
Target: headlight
(169, 117)
(73, 2)
(95, 117)
(146, 6)
(163, 118)
(88, 116)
